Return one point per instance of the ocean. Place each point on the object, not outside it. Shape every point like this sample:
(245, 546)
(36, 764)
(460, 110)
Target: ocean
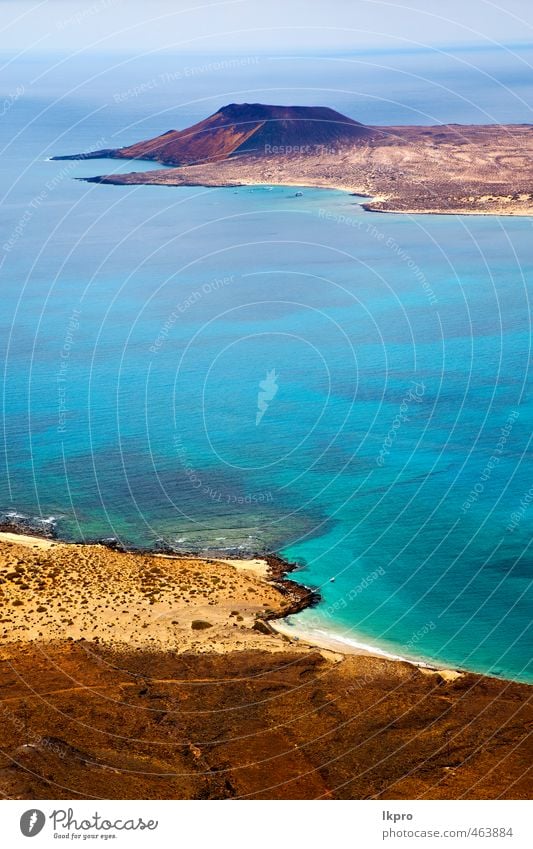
(268, 368)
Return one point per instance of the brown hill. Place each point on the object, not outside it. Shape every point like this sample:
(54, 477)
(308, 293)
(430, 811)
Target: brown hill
(247, 128)
(82, 720)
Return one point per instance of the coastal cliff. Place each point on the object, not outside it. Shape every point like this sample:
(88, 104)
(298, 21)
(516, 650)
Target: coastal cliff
(246, 129)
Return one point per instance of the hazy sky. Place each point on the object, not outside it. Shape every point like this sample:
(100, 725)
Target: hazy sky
(200, 25)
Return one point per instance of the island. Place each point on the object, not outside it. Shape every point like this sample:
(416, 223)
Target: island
(441, 169)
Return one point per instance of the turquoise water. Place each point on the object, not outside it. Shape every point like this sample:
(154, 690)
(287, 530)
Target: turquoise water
(144, 329)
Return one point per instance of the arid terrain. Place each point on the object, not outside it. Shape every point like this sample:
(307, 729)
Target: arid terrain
(141, 676)
(89, 592)
(466, 169)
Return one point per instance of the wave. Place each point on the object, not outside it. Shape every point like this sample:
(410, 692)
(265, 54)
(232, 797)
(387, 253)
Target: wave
(339, 642)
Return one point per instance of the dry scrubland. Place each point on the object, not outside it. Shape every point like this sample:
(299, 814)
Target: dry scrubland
(137, 676)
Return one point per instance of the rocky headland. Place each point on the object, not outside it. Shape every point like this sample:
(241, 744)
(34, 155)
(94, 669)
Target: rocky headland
(135, 675)
(442, 169)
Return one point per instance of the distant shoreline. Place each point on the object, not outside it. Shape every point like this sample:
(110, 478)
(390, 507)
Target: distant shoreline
(444, 169)
(269, 569)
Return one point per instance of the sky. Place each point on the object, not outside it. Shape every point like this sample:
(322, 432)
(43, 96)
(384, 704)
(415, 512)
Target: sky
(262, 25)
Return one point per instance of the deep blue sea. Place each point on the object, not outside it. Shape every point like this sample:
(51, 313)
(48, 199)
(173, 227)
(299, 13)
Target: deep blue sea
(264, 368)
